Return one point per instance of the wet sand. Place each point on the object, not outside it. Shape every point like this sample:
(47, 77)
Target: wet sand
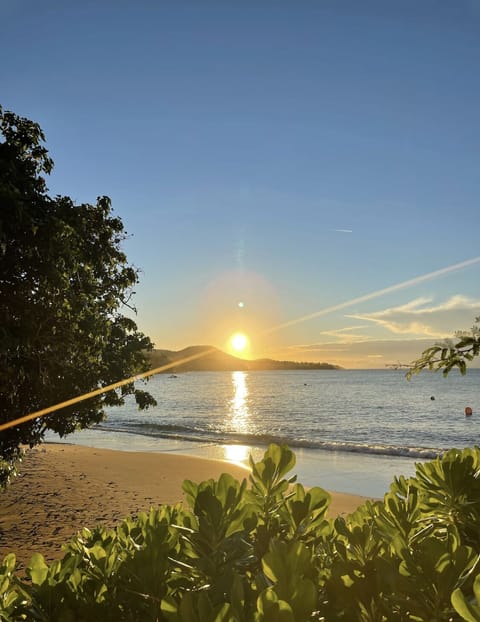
(63, 488)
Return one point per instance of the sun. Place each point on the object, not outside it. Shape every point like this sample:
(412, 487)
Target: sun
(239, 342)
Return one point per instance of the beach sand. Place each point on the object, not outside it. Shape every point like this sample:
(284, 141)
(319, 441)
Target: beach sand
(63, 488)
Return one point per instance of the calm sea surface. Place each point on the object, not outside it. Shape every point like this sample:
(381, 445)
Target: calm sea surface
(361, 411)
(351, 429)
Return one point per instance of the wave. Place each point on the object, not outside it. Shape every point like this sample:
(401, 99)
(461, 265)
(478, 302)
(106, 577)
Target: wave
(200, 435)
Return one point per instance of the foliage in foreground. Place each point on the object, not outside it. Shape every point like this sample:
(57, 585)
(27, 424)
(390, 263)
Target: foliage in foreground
(267, 552)
(64, 281)
(449, 354)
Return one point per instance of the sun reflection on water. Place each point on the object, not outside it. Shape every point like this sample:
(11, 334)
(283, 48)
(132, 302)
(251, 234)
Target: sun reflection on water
(237, 453)
(239, 403)
(238, 419)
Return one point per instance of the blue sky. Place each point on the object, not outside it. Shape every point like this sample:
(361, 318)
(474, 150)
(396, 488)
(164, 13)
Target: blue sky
(288, 155)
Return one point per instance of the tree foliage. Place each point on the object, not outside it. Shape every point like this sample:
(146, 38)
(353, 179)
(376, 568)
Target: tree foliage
(450, 353)
(267, 551)
(64, 280)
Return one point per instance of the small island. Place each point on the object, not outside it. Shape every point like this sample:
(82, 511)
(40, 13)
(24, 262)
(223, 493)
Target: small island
(214, 359)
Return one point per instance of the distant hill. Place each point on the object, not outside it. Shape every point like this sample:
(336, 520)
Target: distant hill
(216, 360)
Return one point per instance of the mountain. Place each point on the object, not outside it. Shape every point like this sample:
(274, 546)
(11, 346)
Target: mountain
(208, 358)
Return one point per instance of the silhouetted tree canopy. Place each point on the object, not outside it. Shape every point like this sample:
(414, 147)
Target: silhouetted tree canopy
(64, 280)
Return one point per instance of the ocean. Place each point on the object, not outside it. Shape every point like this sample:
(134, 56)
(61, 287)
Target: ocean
(351, 431)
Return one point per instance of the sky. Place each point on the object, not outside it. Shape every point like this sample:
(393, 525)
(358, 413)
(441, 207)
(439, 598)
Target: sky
(280, 167)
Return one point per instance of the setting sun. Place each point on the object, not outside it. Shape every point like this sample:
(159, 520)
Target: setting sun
(239, 342)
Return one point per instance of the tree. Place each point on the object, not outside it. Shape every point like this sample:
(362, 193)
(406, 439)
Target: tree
(450, 354)
(64, 281)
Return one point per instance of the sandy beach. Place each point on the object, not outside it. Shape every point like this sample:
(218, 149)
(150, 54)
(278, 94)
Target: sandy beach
(63, 488)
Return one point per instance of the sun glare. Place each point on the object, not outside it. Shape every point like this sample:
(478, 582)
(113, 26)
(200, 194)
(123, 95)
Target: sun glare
(239, 342)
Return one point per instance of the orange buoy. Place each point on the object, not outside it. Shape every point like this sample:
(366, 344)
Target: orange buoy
(468, 411)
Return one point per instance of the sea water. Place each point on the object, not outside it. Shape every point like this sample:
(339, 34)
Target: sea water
(351, 430)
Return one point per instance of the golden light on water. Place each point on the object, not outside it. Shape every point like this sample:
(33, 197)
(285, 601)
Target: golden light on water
(239, 418)
(239, 413)
(237, 453)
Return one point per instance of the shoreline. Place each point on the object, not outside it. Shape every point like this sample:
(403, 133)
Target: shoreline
(350, 472)
(62, 488)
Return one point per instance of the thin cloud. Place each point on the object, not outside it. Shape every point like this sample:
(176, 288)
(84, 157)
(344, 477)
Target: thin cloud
(345, 335)
(407, 349)
(377, 294)
(343, 230)
(420, 317)
(318, 347)
(457, 302)
(377, 353)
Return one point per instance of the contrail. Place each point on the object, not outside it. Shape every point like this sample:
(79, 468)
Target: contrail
(381, 292)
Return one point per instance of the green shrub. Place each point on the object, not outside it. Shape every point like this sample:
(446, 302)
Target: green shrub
(265, 551)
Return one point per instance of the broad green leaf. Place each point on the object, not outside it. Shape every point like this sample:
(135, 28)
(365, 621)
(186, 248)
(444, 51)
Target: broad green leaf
(37, 569)
(468, 611)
